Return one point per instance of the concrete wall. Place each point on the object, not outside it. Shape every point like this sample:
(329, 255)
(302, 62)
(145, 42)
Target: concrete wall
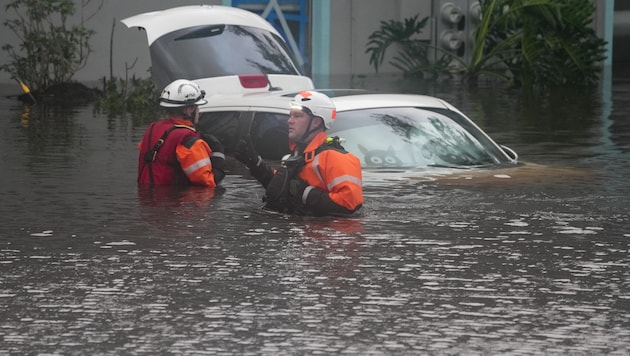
(352, 22)
(129, 44)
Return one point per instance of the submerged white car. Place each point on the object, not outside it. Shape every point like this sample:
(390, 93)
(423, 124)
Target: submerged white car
(385, 131)
(250, 77)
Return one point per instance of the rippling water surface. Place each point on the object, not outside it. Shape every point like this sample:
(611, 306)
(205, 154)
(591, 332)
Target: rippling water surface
(531, 260)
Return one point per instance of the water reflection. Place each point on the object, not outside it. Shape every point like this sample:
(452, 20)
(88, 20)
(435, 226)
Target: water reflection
(529, 260)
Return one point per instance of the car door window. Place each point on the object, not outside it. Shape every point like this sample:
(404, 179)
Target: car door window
(269, 134)
(224, 125)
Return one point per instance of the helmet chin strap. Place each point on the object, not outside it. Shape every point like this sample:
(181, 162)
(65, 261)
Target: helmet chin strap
(307, 132)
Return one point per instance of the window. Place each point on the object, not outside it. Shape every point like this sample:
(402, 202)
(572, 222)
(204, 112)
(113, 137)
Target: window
(413, 137)
(219, 50)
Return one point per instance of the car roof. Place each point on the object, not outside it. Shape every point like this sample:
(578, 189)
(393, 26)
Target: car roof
(158, 23)
(367, 101)
(279, 101)
(267, 101)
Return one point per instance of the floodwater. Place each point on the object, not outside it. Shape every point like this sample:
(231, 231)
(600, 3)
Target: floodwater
(525, 261)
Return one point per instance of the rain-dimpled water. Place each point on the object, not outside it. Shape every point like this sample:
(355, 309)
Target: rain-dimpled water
(527, 260)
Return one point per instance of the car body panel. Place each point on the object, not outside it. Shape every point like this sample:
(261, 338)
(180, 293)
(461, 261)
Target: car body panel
(159, 23)
(268, 101)
(366, 101)
(403, 131)
(231, 84)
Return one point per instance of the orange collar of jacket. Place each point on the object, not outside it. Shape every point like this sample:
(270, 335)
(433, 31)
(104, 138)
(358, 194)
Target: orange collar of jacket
(182, 122)
(309, 151)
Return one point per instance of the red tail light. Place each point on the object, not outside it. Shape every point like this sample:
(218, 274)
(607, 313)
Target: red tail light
(252, 81)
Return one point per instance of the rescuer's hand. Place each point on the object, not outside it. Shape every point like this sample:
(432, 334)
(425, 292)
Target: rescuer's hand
(213, 142)
(246, 153)
(296, 191)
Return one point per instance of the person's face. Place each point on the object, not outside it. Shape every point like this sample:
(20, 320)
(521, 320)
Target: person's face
(298, 124)
(192, 112)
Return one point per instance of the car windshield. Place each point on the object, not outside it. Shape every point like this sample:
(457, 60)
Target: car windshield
(219, 50)
(414, 137)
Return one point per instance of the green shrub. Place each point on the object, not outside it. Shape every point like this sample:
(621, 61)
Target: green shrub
(51, 49)
(136, 97)
(533, 43)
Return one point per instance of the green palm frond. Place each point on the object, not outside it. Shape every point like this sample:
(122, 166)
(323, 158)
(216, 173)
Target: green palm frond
(540, 43)
(389, 33)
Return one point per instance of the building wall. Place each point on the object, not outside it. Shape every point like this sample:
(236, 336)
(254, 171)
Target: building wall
(129, 44)
(351, 23)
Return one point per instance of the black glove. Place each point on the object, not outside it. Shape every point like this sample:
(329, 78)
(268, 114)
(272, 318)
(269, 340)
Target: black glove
(276, 192)
(213, 142)
(296, 192)
(246, 153)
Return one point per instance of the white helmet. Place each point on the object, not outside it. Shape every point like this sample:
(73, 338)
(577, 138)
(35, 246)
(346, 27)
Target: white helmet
(316, 104)
(182, 93)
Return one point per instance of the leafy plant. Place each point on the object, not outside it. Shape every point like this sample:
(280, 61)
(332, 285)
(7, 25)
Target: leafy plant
(414, 57)
(136, 97)
(554, 40)
(488, 60)
(120, 97)
(534, 43)
(51, 49)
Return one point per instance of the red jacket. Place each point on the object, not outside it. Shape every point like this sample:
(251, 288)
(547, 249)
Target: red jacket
(181, 157)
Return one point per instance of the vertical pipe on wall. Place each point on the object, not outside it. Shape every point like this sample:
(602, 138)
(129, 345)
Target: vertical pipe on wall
(609, 21)
(607, 72)
(320, 43)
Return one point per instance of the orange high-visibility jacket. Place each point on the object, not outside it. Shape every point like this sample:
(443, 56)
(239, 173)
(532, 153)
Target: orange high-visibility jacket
(334, 172)
(172, 152)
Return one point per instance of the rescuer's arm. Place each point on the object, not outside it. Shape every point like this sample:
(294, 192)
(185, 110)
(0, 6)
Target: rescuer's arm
(342, 176)
(246, 154)
(194, 158)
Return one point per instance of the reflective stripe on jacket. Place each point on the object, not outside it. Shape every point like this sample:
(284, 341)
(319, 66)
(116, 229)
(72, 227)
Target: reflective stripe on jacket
(194, 158)
(182, 158)
(337, 173)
